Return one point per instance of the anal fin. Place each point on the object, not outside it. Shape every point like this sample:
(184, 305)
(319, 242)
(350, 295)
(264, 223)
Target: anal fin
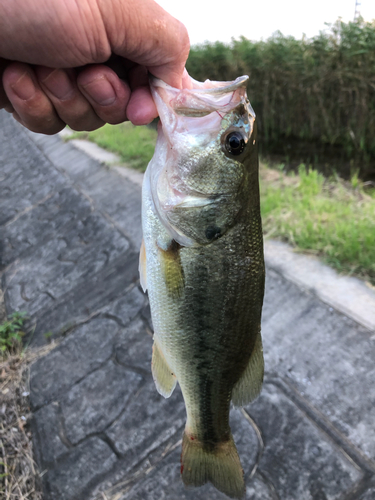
(165, 380)
(248, 387)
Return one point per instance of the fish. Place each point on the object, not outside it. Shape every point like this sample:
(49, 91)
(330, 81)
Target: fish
(202, 263)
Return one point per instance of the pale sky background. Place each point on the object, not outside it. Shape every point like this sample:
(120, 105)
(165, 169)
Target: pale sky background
(223, 19)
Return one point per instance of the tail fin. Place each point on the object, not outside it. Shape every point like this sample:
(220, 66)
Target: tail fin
(221, 466)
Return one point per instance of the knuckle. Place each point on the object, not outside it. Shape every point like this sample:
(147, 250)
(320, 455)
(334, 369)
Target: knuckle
(115, 120)
(39, 119)
(112, 114)
(86, 121)
(89, 127)
(46, 129)
(184, 39)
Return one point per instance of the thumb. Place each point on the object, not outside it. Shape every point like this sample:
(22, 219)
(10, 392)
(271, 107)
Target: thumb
(142, 31)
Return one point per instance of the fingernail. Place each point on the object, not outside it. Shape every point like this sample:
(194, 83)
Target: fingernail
(24, 87)
(101, 91)
(58, 83)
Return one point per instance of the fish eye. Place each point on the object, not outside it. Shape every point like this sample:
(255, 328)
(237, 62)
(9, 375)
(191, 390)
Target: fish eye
(235, 143)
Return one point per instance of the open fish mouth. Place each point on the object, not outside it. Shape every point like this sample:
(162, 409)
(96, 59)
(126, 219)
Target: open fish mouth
(203, 98)
(206, 87)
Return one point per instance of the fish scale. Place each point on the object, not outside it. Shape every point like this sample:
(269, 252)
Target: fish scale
(202, 264)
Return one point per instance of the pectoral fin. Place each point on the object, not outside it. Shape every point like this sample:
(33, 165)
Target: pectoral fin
(172, 270)
(142, 267)
(249, 385)
(165, 380)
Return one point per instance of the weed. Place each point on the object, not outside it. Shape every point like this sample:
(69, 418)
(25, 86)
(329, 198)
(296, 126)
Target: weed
(354, 180)
(11, 332)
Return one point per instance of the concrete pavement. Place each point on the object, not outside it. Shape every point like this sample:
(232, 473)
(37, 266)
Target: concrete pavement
(69, 235)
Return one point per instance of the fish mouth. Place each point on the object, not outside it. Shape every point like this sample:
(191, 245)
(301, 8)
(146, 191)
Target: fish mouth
(203, 98)
(207, 87)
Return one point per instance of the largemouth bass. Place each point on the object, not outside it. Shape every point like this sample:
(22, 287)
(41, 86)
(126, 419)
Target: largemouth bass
(202, 264)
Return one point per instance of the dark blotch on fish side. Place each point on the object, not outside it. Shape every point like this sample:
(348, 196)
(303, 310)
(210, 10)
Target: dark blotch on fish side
(174, 247)
(213, 232)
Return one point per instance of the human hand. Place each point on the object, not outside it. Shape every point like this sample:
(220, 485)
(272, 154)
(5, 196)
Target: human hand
(52, 55)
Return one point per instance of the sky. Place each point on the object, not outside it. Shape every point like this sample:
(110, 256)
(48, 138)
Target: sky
(214, 20)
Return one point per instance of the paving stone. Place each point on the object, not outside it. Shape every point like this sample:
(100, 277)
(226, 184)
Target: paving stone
(327, 356)
(82, 251)
(297, 459)
(64, 156)
(80, 471)
(48, 430)
(148, 421)
(92, 404)
(26, 176)
(259, 489)
(133, 346)
(88, 297)
(370, 493)
(125, 308)
(146, 315)
(348, 295)
(45, 221)
(120, 200)
(85, 349)
(246, 439)
(128, 215)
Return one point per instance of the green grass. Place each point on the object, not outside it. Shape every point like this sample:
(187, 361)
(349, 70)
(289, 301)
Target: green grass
(331, 218)
(135, 145)
(11, 333)
(328, 217)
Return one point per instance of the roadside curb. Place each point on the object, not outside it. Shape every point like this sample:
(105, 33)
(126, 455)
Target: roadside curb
(346, 294)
